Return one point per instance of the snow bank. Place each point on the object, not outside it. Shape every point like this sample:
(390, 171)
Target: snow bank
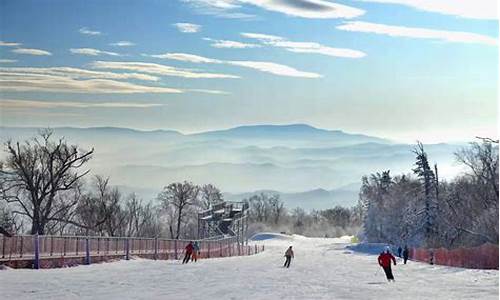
(371, 248)
(262, 236)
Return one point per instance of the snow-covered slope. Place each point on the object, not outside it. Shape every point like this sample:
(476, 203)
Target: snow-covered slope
(322, 269)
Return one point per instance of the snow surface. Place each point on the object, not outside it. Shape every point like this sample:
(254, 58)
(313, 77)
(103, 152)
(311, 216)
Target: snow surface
(322, 269)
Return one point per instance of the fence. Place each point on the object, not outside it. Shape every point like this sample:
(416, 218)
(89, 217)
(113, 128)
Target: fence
(53, 251)
(482, 257)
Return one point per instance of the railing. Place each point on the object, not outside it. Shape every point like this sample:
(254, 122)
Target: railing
(481, 257)
(36, 248)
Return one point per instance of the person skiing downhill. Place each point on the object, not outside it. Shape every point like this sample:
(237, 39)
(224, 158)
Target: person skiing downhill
(289, 256)
(384, 260)
(405, 254)
(399, 251)
(189, 251)
(196, 251)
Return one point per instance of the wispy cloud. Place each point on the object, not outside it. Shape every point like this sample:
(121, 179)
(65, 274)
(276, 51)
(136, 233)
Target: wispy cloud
(29, 51)
(477, 9)
(37, 104)
(92, 52)
(303, 47)
(187, 57)
(75, 73)
(313, 9)
(267, 67)
(9, 44)
(87, 31)
(230, 44)
(419, 33)
(8, 61)
(219, 8)
(187, 27)
(13, 80)
(122, 44)
(156, 69)
(215, 92)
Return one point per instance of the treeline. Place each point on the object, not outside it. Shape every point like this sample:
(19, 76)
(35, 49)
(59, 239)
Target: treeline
(268, 213)
(420, 209)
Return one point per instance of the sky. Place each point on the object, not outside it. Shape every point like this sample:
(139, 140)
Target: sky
(401, 69)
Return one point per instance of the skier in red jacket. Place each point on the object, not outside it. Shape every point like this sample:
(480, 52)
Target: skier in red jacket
(384, 260)
(189, 251)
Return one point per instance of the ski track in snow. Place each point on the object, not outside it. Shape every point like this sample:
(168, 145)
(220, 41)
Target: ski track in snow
(322, 269)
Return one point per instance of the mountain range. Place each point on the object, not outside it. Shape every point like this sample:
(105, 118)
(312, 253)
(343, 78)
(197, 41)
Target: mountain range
(307, 166)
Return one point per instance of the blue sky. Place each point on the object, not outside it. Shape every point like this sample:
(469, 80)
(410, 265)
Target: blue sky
(401, 69)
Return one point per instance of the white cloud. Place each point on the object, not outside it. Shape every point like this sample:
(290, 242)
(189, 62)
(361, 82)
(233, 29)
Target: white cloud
(36, 104)
(74, 73)
(215, 92)
(474, 9)
(92, 52)
(313, 9)
(219, 8)
(274, 68)
(122, 44)
(267, 67)
(49, 83)
(230, 44)
(8, 61)
(262, 37)
(156, 69)
(72, 80)
(303, 47)
(186, 57)
(9, 44)
(31, 51)
(85, 30)
(420, 33)
(187, 27)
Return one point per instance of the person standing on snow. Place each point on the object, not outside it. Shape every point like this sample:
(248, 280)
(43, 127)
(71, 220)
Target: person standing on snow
(289, 256)
(399, 251)
(384, 260)
(196, 250)
(189, 251)
(405, 254)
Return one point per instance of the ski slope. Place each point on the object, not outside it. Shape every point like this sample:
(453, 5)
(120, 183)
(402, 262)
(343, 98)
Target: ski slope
(322, 269)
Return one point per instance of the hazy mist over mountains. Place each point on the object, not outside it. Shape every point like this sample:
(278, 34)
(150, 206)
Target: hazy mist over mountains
(309, 167)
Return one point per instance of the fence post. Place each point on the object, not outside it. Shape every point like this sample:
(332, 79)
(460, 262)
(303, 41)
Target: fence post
(36, 263)
(220, 248)
(127, 249)
(156, 248)
(87, 251)
(175, 249)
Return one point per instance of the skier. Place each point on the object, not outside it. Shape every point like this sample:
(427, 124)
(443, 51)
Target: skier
(289, 256)
(384, 260)
(196, 250)
(189, 251)
(405, 254)
(399, 251)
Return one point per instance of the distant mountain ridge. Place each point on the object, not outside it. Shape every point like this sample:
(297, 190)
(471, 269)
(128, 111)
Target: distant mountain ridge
(308, 166)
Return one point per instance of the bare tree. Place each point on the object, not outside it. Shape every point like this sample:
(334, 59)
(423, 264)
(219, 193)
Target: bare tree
(210, 195)
(177, 198)
(277, 207)
(37, 176)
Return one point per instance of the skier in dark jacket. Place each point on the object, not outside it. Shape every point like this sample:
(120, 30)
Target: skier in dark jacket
(384, 260)
(289, 256)
(399, 251)
(406, 252)
(189, 251)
